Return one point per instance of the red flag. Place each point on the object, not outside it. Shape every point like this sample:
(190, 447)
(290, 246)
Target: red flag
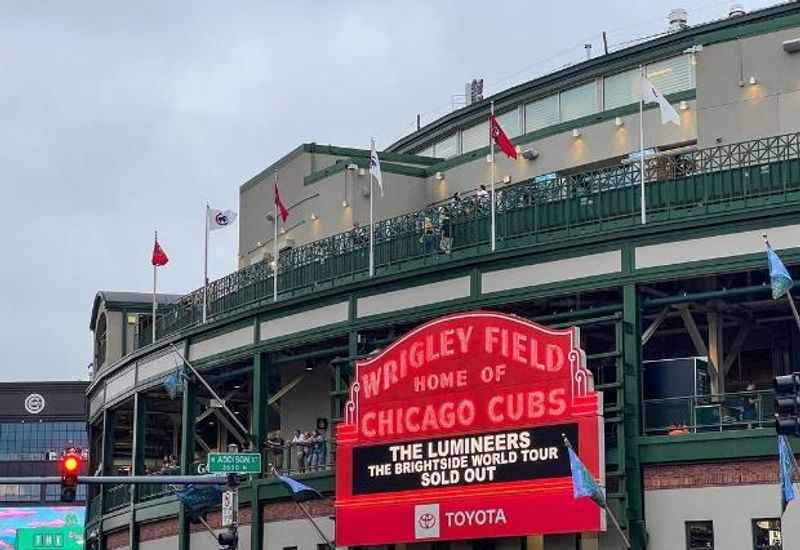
(501, 139)
(159, 256)
(279, 204)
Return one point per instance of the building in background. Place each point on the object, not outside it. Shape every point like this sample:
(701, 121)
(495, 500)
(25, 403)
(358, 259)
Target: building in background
(681, 335)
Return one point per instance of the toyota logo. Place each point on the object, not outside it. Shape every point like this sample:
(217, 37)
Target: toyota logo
(427, 520)
(221, 219)
(34, 403)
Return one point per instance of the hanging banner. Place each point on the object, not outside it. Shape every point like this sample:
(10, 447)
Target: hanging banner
(455, 431)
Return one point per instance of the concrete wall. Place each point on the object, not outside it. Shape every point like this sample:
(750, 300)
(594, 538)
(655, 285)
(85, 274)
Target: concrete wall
(730, 508)
(733, 110)
(309, 400)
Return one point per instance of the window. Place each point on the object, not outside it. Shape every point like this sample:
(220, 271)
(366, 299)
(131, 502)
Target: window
(767, 534)
(541, 113)
(699, 535)
(446, 148)
(621, 89)
(475, 137)
(672, 75)
(511, 123)
(579, 102)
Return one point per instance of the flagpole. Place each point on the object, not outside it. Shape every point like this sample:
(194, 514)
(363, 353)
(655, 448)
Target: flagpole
(205, 269)
(314, 523)
(275, 242)
(155, 303)
(641, 142)
(491, 147)
(371, 223)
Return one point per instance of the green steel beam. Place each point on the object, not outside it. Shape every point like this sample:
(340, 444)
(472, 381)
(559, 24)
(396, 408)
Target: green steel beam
(260, 427)
(188, 414)
(631, 338)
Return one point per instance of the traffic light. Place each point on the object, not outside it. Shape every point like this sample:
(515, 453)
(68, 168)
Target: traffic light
(229, 539)
(69, 466)
(787, 404)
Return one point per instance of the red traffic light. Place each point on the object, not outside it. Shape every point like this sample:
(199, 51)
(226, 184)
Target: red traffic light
(70, 464)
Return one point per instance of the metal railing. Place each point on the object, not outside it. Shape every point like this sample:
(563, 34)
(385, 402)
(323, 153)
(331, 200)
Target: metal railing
(708, 413)
(116, 497)
(706, 181)
(300, 459)
(93, 511)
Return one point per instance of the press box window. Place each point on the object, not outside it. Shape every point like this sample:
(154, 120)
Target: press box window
(767, 534)
(699, 535)
(579, 102)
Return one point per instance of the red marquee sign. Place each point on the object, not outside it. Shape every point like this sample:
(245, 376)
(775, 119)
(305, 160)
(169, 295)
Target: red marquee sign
(455, 432)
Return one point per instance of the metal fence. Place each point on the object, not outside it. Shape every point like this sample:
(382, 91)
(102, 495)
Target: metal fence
(696, 183)
(708, 413)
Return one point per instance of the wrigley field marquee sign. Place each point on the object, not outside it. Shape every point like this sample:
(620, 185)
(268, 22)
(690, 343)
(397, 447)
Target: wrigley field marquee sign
(455, 432)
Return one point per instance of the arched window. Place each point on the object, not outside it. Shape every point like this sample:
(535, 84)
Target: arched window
(100, 342)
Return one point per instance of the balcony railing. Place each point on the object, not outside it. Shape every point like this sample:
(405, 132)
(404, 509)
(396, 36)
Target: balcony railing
(716, 179)
(116, 497)
(709, 413)
(93, 509)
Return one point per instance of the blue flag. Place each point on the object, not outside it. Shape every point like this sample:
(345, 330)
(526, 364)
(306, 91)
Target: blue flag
(300, 491)
(787, 470)
(779, 277)
(583, 484)
(199, 499)
(173, 383)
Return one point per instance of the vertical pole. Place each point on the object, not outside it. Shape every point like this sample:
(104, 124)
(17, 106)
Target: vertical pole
(109, 421)
(794, 307)
(155, 303)
(491, 148)
(260, 429)
(137, 462)
(187, 455)
(205, 268)
(275, 242)
(371, 231)
(641, 142)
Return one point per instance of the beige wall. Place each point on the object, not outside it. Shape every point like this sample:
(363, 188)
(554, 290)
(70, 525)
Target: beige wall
(735, 112)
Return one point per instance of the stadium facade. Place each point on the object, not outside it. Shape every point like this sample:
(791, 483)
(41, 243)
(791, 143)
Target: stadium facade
(677, 324)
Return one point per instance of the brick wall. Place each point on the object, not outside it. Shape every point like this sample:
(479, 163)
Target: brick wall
(282, 511)
(117, 539)
(715, 474)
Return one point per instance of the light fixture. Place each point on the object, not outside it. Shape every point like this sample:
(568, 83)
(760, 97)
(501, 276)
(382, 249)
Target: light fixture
(530, 154)
(352, 166)
(272, 264)
(489, 159)
(271, 216)
(309, 367)
(237, 386)
(362, 171)
(506, 179)
(259, 244)
(132, 319)
(753, 81)
(618, 122)
(576, 133)
(314, 217)
(683, 105)
(439, 176)
(345, 204)
(283, 231)
(518, 149)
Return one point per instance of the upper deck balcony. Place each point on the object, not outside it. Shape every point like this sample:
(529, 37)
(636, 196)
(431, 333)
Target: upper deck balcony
(738, 179)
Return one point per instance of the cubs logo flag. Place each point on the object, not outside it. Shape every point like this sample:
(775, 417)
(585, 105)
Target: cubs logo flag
(501, 139)
(279, 204)
(650, 94)
(159, 256)
(218, 219)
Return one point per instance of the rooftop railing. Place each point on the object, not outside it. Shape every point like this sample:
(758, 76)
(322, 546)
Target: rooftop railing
(701, 182)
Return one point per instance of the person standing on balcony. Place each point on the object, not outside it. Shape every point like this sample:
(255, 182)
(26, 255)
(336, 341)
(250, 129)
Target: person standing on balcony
(275, 444)
(299, 443)
(749, 414)
(446, 226)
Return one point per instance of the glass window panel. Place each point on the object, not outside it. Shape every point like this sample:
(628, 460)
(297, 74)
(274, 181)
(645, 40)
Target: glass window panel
(511, 123)
(475, 137)
(767, 534)
(446, 148)
(621, 89)
(699, 535)
(579, 102)
(541, 113)
(672, 75)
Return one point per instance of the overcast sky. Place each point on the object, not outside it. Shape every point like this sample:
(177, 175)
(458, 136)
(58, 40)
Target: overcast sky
(118, 118)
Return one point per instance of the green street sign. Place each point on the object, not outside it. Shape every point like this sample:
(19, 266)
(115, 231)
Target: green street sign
(234, 463)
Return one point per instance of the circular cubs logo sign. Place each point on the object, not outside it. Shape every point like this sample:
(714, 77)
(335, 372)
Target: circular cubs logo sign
(222, 219)
(34, 403)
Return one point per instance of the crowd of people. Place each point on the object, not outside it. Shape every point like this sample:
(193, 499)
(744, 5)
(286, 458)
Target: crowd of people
(309, 449)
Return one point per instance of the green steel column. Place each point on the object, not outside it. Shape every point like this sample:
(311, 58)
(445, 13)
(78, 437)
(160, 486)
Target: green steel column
(632, 338)
(188, 414)
(260, 426)
(137, 462)
(109, 420)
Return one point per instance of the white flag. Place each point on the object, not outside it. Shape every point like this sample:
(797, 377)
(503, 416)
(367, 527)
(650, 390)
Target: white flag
(219, 219)
(650, 94)
(375, 166)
